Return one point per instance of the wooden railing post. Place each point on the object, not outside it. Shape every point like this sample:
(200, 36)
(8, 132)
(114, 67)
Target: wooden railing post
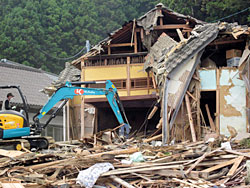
(128, 76)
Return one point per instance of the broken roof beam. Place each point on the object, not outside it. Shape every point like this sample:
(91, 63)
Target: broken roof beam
(221, 42)
(172, 26)
(121, 45)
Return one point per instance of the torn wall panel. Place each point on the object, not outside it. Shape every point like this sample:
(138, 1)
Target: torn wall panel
(208, 79)
(232, 101)
(178, 80)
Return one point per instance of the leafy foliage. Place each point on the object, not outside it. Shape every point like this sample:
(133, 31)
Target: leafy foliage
(60, 27)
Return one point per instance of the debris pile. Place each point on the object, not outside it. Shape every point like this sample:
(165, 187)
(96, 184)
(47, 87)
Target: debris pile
(132, 163)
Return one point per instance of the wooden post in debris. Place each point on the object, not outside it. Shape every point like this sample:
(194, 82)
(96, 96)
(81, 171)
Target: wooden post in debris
(95, 126)
(211, 122)
(248, 171)
(82, 101)
(198, 113)
(191, 122)
(122, 182)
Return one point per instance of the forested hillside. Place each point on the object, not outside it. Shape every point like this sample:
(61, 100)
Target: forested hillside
(33, 32)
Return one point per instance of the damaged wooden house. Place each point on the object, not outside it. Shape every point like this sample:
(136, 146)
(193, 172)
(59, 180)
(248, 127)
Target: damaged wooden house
(175, 74)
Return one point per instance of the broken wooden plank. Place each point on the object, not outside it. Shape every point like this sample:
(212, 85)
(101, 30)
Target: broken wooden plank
(11, 185)
(115, 152)
(235, 166)
(226, 163)
(211, 122)
(11, 153)
(196, 163)
(186, 183)
(191, 122)
(153, 138)
(174, 173)
(238, 153)
(128, 170)
(121, 181)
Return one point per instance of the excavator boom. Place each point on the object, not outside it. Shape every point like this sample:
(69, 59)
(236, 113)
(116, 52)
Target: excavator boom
(72, 89)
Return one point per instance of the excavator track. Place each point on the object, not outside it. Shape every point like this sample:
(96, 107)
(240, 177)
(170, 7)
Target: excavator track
(41, 142)
(37, 142)
(14, 144)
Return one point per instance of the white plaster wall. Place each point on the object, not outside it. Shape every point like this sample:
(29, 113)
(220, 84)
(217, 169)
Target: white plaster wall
(236, 99)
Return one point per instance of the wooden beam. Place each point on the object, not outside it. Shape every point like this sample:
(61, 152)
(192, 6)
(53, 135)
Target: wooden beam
(68, 121)
(235, 166)
(196, 163)
(211, 122)
(153, 138)
(128, 85)
(191, 122)
(191, 95)
(216, 167)
(121, 44)
(142, 34)
(135, 42)
(137, 169)
(122, 182)
(180, 34)
(109, 50)
(161, 20)
(154, 82)
(198, 111)
(172, 26)
(238, 153)
(82, 102)
(225, 42)
(186, 183)
(218, 101)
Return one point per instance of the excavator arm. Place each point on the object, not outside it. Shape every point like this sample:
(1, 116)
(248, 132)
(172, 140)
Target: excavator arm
(72, 89)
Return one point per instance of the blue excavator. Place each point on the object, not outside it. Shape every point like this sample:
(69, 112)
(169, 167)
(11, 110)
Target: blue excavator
(16, 132)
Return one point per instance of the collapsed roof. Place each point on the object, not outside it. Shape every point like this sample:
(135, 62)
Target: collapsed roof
(147, 21)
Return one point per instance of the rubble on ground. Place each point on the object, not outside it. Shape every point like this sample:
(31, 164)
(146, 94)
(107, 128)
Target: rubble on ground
(136, 162)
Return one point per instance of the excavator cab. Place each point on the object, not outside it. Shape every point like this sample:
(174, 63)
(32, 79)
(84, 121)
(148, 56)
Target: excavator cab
(14, 124)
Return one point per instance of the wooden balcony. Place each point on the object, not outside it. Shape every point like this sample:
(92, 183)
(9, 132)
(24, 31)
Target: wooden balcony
(115, 59)
(124, 70)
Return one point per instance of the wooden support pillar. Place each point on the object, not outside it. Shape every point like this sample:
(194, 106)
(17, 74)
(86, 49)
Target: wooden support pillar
(154, 82)
(109, 50)
(68, 121)
(148, 83)
(218, 101)
(142, 34)
(211, 122)
(198, 109)
(135, 42)
(128, 76)
(95, 126)
(191, 122)
(82, 102)
(161, 18)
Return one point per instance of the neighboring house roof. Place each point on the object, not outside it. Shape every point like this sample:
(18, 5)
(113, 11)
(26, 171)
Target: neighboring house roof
(70, 73)
(30, 80)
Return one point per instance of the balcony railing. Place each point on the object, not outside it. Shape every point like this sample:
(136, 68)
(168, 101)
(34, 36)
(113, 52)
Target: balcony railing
(115, 59)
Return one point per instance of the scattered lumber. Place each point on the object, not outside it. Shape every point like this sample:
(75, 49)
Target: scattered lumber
(185, 164)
